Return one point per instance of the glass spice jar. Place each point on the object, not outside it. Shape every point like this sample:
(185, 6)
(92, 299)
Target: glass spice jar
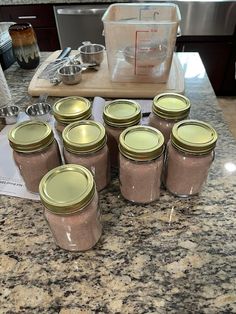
(190, 153)
(141, 161)
(35, 151)
(71, 109)
(71, 210)
(118, 115)
(24, 45)
(167, 109)
(85, 144)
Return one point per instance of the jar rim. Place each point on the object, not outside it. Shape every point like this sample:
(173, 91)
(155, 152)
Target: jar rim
(30, 136)
(141, 143)
(122, 113)
(194, 137)
(171, 106)
(67, 189)
(84, 136)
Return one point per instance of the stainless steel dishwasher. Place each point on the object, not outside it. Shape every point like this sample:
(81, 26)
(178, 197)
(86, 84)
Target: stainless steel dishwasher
(78, 23)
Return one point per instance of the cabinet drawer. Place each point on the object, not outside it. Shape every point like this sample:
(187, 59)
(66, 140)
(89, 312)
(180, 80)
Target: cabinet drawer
(37, 15)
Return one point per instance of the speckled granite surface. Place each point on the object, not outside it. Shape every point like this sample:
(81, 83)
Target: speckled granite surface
(150, 259)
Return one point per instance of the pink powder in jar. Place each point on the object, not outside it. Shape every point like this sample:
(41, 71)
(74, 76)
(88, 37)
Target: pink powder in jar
(141, 161)
(163, 125)
(85, 144)
(71, 109)
(70, 199)
(118, 115)
(113, 135)
(190, 153)
(168, 109)
(35, 151)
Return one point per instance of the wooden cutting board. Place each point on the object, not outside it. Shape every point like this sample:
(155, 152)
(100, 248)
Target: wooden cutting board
(97, 83)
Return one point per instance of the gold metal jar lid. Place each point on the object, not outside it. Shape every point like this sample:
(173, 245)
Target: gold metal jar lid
(71, 109)
(67, 189)
(122, 113)
(141, 143)
(193, 137)
(30, 136)
(171, 106)
(84, 136)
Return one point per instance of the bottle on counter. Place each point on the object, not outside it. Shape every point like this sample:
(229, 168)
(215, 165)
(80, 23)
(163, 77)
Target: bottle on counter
(141, 161)
(71, 109)
(118, 115)
(5, 94)
(24, 45)
(35, 151)
(85, 144)
(70, 199)
(167, 109)
(190, 153)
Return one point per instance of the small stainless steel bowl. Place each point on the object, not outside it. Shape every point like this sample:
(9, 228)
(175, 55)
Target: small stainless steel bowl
(40, 111)
(70, 74)
(9, 114)
(91, 53)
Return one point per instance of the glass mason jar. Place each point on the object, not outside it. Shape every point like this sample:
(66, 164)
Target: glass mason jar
(24, 45)
(70, 109)
(167, 109)
(190, 153)
(70, 199)
(118, 115)
(35, 151)
(85, 144)
(141, 161)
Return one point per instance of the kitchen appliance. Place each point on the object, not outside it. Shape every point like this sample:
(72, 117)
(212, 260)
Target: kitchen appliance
(79, 23)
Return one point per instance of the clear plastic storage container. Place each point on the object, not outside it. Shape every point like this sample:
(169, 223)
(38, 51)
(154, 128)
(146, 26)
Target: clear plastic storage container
(140, 40)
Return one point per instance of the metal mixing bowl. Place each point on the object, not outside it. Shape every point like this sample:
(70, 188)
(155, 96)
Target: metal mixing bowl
(70, 74)
(40, 111)
(91, 53)
(9, 114)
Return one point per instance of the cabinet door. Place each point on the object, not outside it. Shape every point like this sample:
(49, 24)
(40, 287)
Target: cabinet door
(38, 15)
(215, 57)
(229, 83)
(41, 17)
(47, 39)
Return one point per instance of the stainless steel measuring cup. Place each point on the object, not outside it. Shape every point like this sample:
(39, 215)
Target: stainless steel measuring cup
(91, 53)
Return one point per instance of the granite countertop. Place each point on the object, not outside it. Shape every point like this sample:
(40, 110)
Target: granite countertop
(172, 256)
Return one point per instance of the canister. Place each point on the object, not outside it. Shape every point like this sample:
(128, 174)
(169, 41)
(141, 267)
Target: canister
(118, 115)
(71, 210)
(190, 153)
(85, 144)
(35, 151)
(71, 109)
(167, 109)
(25, 46)
(141, 161)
